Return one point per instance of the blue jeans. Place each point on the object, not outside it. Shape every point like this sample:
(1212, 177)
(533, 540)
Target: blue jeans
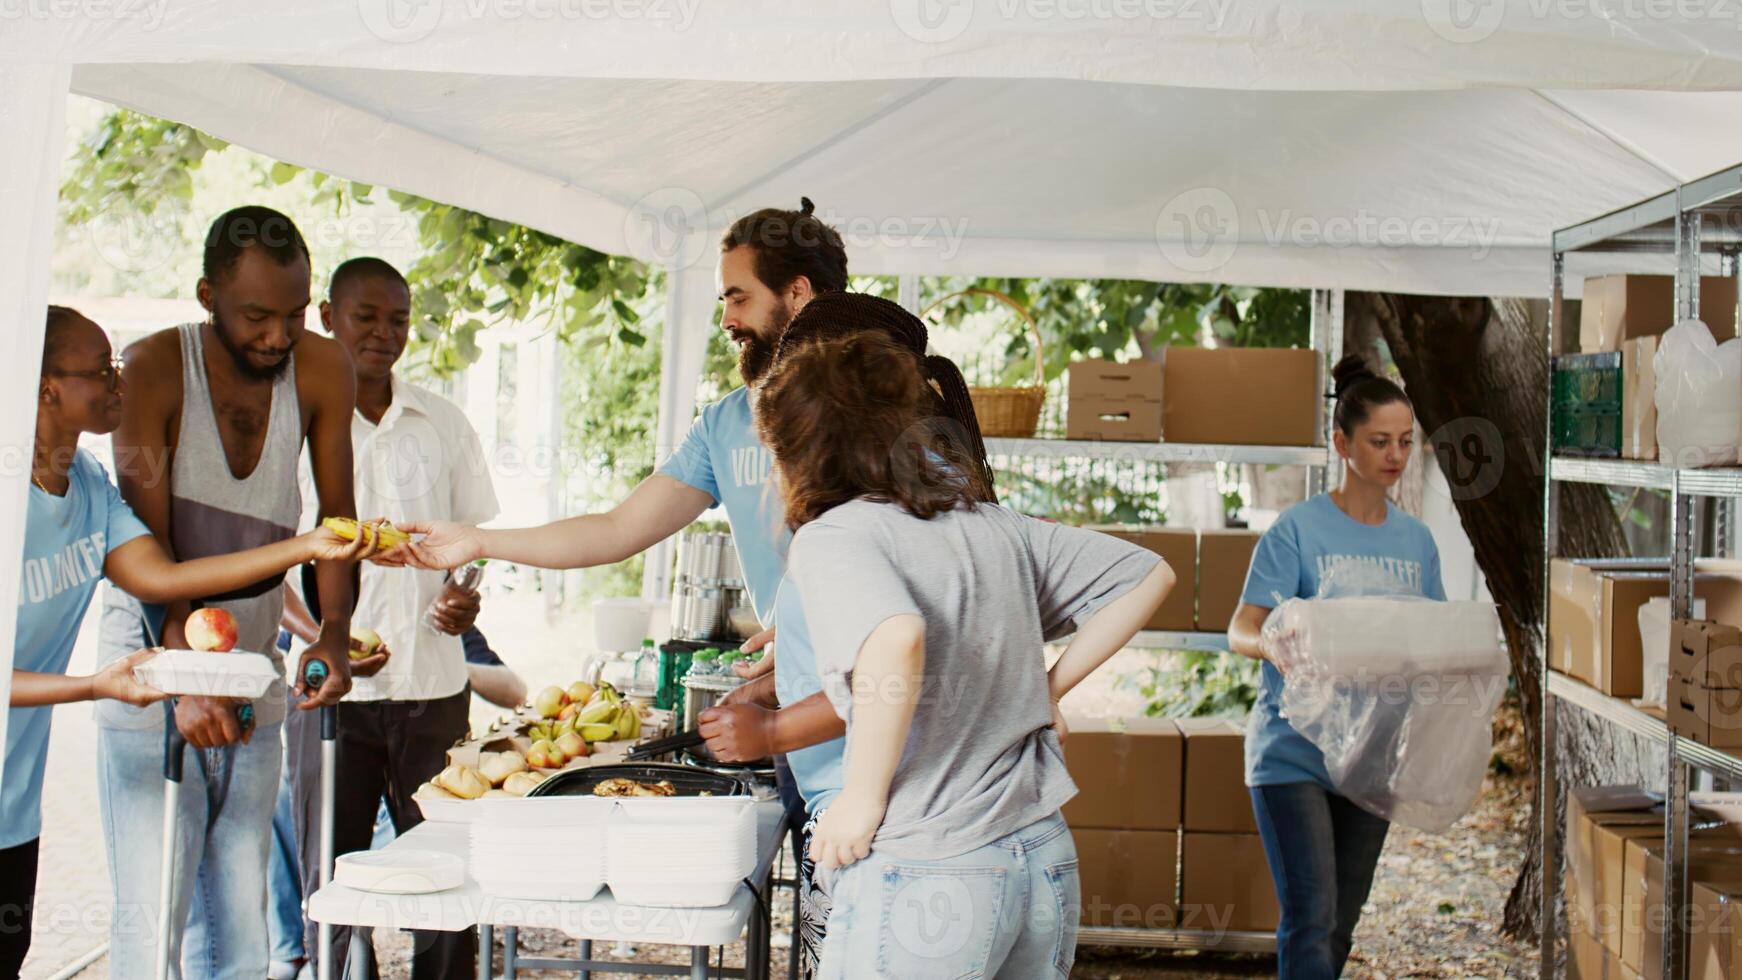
(1323, 850)
(1008, 909)
(224, 833)
(284, 882)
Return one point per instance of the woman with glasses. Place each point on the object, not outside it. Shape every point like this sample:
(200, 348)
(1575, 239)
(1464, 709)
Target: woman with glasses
(79, 531)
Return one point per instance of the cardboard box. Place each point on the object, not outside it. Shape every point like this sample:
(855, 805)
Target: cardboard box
(1226, 884)
(1127, 774)
(1241, 396)
(1224, 555)
(1600, 819)
(1708, 715)
(1642, 906)
(1113, 381)
(1639, 398)
(1108, 420)
(1707, 653)
(1594, 617)
(1127, 876)
(1715, 932)
(1179, 548)
(1215, 799)
(1620, 308)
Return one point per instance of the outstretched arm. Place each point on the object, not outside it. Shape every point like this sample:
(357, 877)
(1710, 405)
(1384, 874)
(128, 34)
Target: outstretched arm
(656, 509)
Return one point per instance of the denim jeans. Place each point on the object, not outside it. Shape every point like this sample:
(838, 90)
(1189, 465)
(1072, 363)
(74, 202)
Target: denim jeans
(1008, 909)
(284, 882)
(224, 834)
(1323, 850)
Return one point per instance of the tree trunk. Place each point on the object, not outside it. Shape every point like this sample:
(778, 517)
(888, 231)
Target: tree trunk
(1477, 372)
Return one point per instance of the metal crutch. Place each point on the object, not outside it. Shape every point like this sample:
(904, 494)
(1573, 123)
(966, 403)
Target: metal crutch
(314, 675)
(173, 743)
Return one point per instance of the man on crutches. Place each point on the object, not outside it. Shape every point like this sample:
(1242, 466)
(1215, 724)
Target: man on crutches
(217, 414)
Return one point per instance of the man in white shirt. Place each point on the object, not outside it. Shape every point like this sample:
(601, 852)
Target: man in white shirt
(417, 458)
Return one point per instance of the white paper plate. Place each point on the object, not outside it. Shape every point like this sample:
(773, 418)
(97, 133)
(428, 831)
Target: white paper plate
(399, 871)
(220, 675)
(565, 889)
(447, 811)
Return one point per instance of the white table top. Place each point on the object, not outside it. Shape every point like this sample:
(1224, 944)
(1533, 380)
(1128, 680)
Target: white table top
(599, 919)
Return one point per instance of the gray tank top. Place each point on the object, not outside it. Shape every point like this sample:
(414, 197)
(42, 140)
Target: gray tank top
(213, 512)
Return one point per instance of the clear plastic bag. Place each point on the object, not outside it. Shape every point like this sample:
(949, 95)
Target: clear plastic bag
(1398, 691)
(1699, 396)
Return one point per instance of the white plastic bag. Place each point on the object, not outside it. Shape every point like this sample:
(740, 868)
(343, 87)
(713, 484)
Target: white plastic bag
(1396, 690)
(1699, 396)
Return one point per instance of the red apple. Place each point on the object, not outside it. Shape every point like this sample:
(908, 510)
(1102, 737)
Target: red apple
(211, 630)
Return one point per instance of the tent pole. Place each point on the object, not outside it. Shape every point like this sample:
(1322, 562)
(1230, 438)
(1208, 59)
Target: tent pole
(33, 102)
(689, 308)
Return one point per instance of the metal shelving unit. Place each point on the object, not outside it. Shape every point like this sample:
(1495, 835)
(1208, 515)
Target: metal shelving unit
(1322, 468)
(1673, 223)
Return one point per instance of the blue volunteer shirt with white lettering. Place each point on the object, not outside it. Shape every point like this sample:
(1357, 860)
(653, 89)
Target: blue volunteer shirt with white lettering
(66, 540)
(1307, 541)
(722, 457)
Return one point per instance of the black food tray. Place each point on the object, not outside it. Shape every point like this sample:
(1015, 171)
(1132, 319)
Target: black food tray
(687, 780)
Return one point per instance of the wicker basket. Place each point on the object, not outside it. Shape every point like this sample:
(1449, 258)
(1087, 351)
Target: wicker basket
(1007, 412)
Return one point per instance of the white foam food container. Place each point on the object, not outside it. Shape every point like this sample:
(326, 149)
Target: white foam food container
(445, 810)
(399, 871)
(684, 892)
(218, 675)
(572, 888)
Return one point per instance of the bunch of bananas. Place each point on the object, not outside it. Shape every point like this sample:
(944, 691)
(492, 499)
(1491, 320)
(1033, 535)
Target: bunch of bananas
(606, 718)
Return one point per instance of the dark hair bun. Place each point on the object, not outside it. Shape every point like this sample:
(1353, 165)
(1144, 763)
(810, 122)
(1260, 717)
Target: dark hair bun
(1350, 371)
(805, 206)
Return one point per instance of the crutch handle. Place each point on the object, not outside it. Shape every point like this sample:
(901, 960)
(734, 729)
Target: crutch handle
(314, 675)
(173, 743)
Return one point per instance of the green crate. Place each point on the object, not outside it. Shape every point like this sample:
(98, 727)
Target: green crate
(1588, 381)
(1582, 432)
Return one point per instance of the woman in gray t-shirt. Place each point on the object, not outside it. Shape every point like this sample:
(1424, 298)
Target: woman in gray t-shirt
(928, 613)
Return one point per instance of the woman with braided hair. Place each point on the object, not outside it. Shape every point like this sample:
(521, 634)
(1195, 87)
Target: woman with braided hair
(835, 316)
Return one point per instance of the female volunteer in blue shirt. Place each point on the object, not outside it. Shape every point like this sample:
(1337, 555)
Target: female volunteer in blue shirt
(1322, 847)
(78, 531)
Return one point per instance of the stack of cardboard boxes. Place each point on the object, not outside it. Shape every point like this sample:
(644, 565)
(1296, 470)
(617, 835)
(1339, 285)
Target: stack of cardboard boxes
(1238, 396)
(1594, 616)
(1146, 785)
(1614, 880)
(1125, 819)
(1210, 567)
(1705, 683)
(1224, 876)
(1627, 314)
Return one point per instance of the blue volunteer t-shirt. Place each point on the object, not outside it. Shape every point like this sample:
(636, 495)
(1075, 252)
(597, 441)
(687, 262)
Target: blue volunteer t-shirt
(1307, 541)
(722, 457)
(66, 540)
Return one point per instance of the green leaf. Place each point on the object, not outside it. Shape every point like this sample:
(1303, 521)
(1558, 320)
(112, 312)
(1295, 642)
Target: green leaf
(284, 173)
(630, 337)
(361, 191)
(623, 311)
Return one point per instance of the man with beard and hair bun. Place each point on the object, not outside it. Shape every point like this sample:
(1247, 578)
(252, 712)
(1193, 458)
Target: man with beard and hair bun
(773, 262)
(213, 427)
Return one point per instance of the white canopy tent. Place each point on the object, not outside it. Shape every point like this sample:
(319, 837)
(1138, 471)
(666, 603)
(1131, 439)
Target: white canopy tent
(1426, 146)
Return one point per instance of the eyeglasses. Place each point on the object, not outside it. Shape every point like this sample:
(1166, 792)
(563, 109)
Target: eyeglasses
(109, 375)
